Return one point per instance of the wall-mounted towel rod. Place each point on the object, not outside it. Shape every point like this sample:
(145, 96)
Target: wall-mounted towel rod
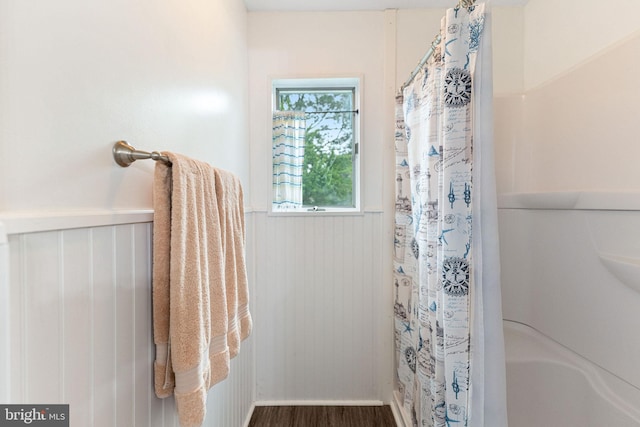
(124, 154)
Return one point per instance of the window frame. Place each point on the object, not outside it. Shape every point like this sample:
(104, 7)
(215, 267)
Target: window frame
(327, 83)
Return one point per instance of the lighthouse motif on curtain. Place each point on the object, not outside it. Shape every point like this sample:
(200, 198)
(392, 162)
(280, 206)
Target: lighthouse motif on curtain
(433, 227)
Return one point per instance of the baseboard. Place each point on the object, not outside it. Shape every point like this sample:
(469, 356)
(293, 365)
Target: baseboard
(319, 403)
(398, 411)
(249, 415)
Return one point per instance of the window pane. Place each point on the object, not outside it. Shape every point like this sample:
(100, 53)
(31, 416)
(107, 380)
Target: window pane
(328, 171)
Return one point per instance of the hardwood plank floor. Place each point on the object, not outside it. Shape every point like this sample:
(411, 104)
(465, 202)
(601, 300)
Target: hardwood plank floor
(322, 416)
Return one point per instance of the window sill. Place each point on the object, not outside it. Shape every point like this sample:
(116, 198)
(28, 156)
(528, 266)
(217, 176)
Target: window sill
(327, 213)
(323, 212)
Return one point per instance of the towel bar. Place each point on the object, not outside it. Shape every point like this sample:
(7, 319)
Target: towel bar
(124, 154)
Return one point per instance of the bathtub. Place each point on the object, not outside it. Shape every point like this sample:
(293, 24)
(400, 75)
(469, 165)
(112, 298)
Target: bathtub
(571, 303)
(551, 386)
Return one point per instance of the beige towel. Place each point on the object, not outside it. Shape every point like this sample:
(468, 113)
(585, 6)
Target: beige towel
(189, 295)
(231, 209)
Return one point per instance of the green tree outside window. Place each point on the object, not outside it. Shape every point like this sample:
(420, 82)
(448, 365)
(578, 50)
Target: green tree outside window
(330, 147)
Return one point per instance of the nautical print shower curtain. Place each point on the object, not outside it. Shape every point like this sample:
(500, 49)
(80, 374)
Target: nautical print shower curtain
(448, 319)
(289, 129)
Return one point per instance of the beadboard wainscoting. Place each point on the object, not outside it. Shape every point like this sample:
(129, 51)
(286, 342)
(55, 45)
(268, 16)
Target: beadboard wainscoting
(320, 328)
(81, 327)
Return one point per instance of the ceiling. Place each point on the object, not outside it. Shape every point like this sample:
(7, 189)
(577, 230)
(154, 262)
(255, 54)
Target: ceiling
(309, 5)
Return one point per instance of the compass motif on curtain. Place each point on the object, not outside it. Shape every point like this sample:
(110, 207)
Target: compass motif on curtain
(457, 87)
(455, 276)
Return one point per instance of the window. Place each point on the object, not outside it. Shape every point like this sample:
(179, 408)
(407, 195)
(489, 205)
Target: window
(315, 145)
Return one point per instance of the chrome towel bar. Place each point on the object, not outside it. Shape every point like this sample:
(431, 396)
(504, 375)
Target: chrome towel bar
(124, 154)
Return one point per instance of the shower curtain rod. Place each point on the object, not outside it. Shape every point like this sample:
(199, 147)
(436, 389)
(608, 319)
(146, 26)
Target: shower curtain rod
(424, 59)
(434, 44)
(124, 154)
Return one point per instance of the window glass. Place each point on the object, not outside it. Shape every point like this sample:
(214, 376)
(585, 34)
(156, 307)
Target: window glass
(315, 153)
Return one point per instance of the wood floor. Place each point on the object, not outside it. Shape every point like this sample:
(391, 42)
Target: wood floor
(322, 416)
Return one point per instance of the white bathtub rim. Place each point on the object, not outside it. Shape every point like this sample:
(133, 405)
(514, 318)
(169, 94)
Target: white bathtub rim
(538, 348)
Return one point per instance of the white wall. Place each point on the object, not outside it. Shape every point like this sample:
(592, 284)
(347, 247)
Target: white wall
(573, 128)
(320, 331)
(559, 36)
(580, 130)
(75, 77)
(78, 76)
(315, 44)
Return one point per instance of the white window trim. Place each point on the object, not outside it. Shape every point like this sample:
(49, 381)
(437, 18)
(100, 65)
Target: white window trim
(329, 82)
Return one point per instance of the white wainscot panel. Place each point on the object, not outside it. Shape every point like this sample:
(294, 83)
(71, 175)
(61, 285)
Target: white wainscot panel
(81, 330)
(319, 281)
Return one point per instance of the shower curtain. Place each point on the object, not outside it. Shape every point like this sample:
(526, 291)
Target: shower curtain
(289, 128)
(448, 318)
